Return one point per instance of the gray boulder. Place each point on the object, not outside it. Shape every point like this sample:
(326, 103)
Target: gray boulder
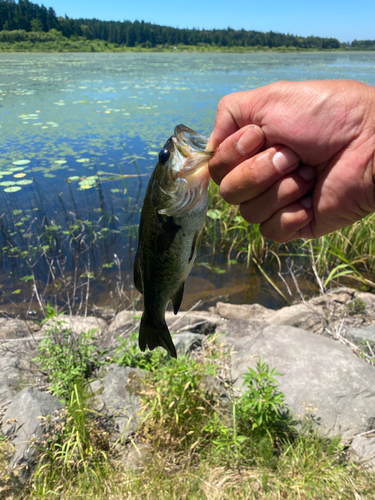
(118, 396)
(187, 342)
(127, 319)
(23, 426)
(77, 324)
(360, 336)
(8, 389)
(16, 328)
(320, 378)
(300, 315)
(16, 360)
(235, 311)
(362, 450)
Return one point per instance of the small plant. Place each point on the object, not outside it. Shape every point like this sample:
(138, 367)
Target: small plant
(176, 407)
(356, 306)
(226, 440)
(74, 443)
(262, 408)
(67, 358)
(6, 451)
(129, 354)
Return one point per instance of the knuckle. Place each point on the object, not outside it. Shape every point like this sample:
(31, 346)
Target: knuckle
(251, 214)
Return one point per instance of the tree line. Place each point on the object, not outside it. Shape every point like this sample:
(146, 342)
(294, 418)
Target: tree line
(31, 17)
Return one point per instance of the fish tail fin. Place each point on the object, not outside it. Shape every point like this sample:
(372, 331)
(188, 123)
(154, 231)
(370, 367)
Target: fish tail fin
(153, 334)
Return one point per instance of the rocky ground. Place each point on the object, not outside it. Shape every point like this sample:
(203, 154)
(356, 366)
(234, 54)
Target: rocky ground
(324, 349)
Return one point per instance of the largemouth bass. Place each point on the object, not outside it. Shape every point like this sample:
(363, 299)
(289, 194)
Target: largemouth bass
(173, 213)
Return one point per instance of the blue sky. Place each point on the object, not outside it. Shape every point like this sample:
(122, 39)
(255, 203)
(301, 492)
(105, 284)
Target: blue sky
(342, 19)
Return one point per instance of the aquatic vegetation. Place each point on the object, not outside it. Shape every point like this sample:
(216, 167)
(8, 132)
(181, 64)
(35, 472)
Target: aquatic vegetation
(80, 135)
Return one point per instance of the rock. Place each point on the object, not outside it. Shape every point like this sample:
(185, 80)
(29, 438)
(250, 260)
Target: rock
(233, 311)
(77, 324)
(8, 389)
(117, 393)
(187, 342)
(16, 328)
(362, 450)
(339, 296)
(359, 336)
(193, 321)
(22, 425)
(15, 359)
(127, 318)
(368, 298)
(298, 315)
(320, 376)
(122, 325)
(135, 455)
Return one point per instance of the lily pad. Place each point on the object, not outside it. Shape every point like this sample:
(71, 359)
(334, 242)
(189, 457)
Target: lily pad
(83, 160)
(12, 189)
(24, 182)
(7, 183)
(19, 175)
(16, 169)
(21, 162)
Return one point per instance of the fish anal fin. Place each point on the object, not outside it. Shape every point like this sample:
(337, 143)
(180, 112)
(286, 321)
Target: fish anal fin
(155, 333)
(177, 298)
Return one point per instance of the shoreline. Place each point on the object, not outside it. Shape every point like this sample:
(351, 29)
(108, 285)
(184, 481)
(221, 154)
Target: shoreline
(98, 46)
(182, 51)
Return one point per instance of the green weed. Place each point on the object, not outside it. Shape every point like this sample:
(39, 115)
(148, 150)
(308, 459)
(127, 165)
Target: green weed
(67, 358)
(75, 443)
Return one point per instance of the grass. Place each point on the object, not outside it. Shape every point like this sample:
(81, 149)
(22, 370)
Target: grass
(347, 253)
(198, 439)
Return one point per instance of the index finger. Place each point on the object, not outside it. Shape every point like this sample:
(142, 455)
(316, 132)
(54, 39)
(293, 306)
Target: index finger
(233, 113)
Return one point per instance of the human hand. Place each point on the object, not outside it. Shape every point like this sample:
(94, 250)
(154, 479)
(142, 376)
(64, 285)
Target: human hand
(298, 157)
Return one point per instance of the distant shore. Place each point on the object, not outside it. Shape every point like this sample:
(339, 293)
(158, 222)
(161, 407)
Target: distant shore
(54, 41)
(98, 46)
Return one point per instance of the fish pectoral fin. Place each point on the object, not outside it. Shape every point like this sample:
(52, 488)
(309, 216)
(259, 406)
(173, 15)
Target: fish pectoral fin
(195, 245)
(137, 276)
(167, 234)
(177, 298)
(153, 334)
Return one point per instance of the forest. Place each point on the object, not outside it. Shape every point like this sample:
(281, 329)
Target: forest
(29, 22)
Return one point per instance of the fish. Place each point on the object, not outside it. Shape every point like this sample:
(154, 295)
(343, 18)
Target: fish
(173, 213)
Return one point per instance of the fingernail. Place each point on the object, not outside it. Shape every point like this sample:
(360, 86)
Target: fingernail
(285, 160)
(306, 172)
(307, 202)
(250, 140)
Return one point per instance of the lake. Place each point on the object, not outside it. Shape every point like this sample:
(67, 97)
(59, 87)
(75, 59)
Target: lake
(80, 134)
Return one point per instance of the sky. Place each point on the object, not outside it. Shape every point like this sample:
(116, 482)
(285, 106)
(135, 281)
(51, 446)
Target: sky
(342, 19)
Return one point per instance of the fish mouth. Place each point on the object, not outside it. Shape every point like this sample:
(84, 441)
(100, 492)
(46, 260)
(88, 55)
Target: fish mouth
(187, 136)
(189, 171)
(189, 150)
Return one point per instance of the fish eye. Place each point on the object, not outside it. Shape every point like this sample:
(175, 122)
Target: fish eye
(164, 155)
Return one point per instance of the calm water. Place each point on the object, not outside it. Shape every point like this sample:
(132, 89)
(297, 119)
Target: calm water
(71, 123)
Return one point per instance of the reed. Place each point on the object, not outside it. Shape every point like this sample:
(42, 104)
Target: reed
(347, 253)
